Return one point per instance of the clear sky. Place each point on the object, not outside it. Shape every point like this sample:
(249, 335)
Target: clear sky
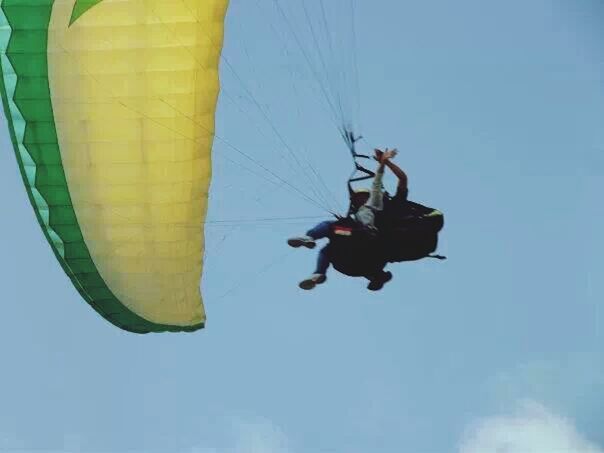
(497, 109)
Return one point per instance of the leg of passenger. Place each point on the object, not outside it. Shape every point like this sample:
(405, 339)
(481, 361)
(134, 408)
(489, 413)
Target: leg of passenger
(319, 276)
(320, 231)
(323, 261)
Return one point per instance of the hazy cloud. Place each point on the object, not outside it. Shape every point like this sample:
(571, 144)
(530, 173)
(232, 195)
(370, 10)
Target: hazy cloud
(531, 428)
(256, 436)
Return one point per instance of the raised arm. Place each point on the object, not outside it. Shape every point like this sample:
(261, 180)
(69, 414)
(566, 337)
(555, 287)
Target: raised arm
(398, 172)
(376, 196)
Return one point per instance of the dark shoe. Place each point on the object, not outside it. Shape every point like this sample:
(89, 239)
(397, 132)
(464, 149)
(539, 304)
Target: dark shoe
(303, 241)
(378, 283)
(312, 281)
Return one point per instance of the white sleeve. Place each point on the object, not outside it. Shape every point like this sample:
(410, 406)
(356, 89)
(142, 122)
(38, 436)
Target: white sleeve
(376, 198)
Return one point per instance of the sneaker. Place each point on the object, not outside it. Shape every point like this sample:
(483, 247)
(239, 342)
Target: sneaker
(379, 282)
(312, 281)
(303, 241)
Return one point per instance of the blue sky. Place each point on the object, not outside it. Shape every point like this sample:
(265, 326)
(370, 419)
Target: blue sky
(497, 110)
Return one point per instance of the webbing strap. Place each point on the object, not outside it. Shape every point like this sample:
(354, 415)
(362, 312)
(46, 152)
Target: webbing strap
(350, 140)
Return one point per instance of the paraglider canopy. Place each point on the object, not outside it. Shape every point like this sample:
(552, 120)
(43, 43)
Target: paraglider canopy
(111, 115)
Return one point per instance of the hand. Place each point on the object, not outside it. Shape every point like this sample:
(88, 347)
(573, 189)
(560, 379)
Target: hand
(387, 155)
(378, 154)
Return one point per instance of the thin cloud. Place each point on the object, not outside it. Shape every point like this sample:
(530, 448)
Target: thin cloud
(532, 428)
(257, 436)
(246, 436)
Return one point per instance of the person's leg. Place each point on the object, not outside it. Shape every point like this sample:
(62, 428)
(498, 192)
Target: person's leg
(320, 231)
(323, 263)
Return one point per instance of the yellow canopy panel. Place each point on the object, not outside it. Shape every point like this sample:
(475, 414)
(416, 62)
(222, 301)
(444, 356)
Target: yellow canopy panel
(110, 106)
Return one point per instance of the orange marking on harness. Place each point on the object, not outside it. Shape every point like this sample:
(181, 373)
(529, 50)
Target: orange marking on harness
(343, 231)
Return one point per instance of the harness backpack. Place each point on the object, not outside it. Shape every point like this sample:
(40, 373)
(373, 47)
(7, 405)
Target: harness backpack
(354, 250)
(410, 233)
(406, 234)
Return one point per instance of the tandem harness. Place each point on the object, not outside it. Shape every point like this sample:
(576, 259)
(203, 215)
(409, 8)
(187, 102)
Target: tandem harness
(356, 251)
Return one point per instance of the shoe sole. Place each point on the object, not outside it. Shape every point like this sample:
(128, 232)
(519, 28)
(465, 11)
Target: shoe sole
(307, 285)
(299, 243)
(310, 283)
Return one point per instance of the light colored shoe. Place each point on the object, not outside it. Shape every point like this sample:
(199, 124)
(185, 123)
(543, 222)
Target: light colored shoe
(302, 241)
(312, 281)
